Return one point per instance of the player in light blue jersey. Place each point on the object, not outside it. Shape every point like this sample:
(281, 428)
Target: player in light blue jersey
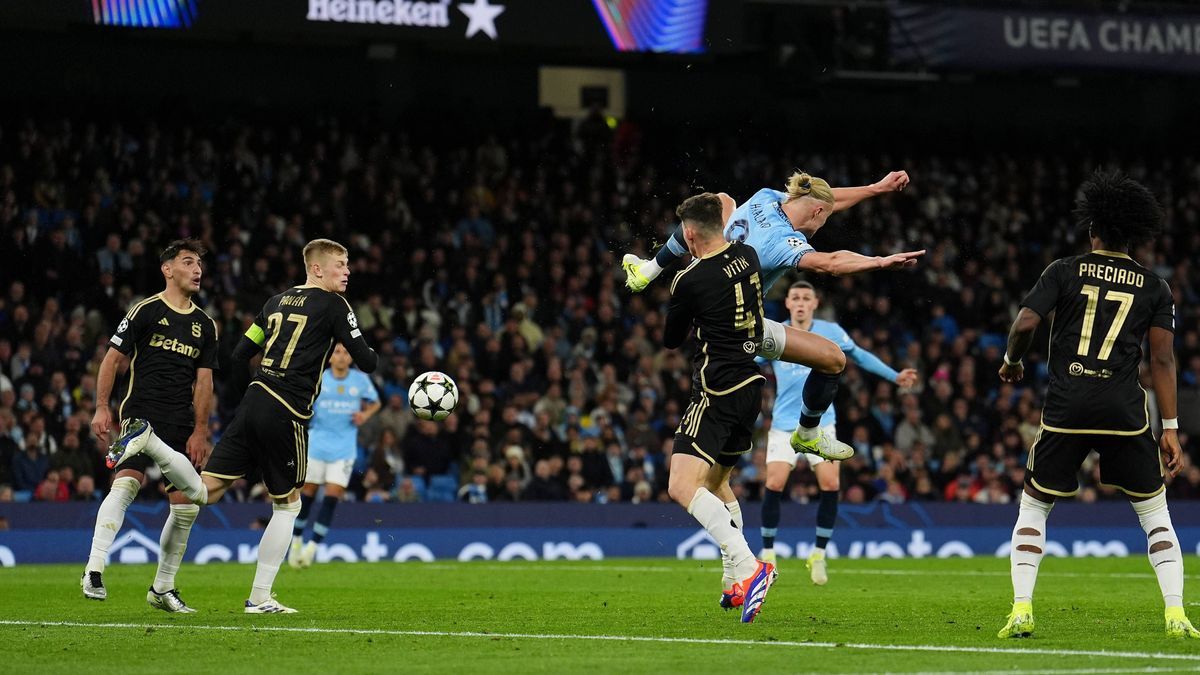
(347, 400)
(802, 303)
(778, 226)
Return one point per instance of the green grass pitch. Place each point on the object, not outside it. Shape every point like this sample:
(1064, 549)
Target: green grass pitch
(1093, 616)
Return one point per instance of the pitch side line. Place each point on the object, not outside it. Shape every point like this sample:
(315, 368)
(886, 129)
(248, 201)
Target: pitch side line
(1068, 671)
(568, 567)
(623, 638)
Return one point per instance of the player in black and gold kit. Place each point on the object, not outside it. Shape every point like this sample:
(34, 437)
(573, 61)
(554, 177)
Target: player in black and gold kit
(1103, 306)
(720, 296)
(296, 331)
(170, 347)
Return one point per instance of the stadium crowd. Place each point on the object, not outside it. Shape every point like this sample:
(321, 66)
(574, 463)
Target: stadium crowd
(495, 259)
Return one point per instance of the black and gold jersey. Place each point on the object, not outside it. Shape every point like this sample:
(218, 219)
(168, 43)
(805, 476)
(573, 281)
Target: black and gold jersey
(721, 296)
(165, 346)
(1104, 303)
(296, 331)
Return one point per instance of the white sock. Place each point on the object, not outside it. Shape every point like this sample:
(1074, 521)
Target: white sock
(109, 520)
(172, 543)
(272, 548)
(706, 508)
(735, 515)
(808, 433)
(650, 269)
(1162, 547)
(1028, 546)
(177, 468)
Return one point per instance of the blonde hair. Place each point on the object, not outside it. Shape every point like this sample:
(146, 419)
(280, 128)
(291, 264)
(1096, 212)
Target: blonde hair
(801, 184)
(321, 247)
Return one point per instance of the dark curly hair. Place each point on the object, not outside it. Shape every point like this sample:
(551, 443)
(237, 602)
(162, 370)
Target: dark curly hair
(1117, 209)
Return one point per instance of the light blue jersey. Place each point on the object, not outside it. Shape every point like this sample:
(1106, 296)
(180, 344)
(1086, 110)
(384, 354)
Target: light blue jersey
(790, 377)
(332, 436)
(761, 224)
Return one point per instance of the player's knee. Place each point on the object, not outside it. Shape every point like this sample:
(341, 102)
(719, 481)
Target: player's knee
(835, 360)
(287, 505)
(776, 481)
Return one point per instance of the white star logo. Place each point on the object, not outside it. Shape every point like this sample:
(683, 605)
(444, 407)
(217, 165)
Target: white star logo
(482, 16)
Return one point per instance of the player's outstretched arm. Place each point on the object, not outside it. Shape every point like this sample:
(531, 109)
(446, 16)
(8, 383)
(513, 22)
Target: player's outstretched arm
(1020, 336)
(842, 263)
(102, 420)
(871, 363)
(1162, 373)
(844, 198)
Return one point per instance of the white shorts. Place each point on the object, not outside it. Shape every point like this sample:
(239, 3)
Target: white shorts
(779, 447)
(774, 338)
(335, 473)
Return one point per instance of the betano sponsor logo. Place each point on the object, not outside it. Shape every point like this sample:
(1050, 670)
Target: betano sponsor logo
(173, 345)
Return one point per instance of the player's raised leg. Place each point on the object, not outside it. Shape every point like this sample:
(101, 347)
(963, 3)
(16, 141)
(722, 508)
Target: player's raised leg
(827, 362)
(639, 273)
(139, 438)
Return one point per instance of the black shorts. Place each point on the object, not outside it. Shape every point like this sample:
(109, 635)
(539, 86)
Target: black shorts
(1129, 463)
(720, 429)
(174, 435)
(264, 439)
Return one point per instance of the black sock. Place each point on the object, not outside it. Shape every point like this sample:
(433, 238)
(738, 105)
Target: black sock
(306, 503)
(826, 516)
(675, 247)
(819, 390)
(770, 516)
(324, 518)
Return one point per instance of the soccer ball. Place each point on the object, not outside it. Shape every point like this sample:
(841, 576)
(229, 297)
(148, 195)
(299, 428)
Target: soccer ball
(433, 396)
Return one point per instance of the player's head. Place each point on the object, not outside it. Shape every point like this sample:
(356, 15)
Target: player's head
(181, 264)
(701, 218)
(340, 359)
(801, 302)
(328, 264)
(1118, 210)
(810, 200)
